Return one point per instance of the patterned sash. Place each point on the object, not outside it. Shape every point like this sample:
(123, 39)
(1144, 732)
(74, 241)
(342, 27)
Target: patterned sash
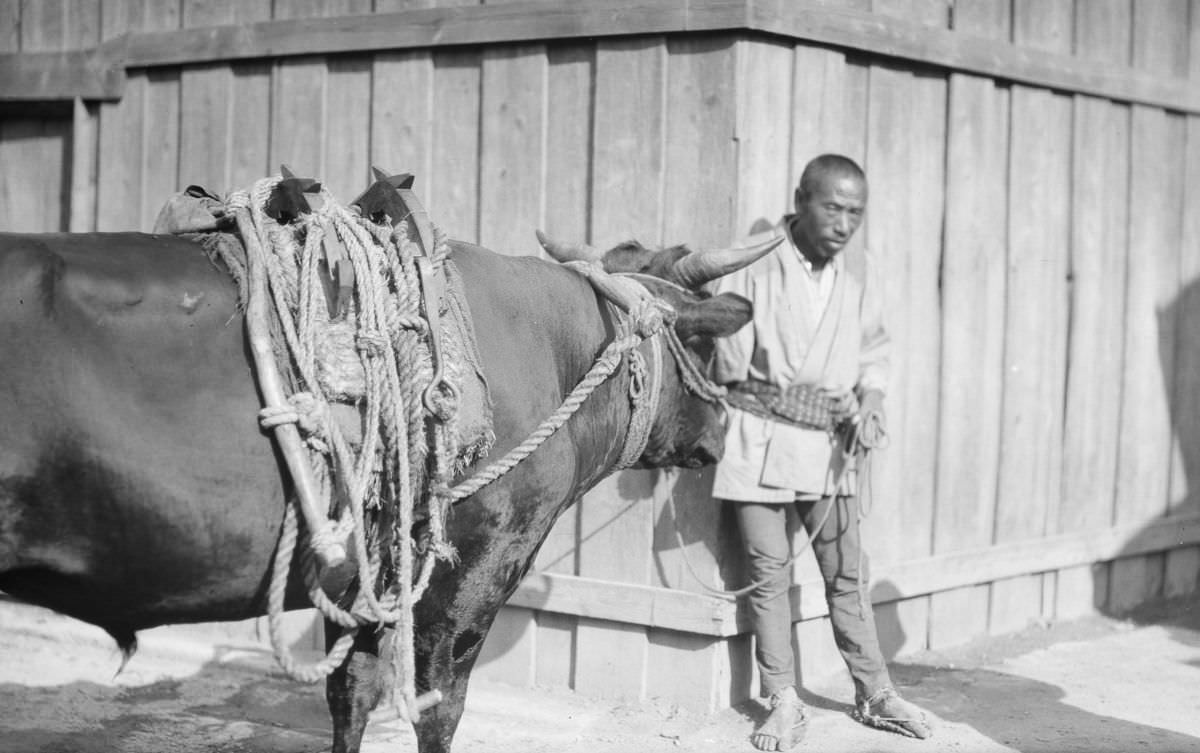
(804, 405)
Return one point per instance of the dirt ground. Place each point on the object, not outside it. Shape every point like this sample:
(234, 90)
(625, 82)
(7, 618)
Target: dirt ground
(1094, 686)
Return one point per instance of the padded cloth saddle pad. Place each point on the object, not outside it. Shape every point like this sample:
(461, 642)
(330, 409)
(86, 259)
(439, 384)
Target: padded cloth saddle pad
(475, 429)
(473, 422)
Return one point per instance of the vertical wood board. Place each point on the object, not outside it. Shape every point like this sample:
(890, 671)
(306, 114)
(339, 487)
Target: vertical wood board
(509, 650)
(973, 305)
(1036, 311)
(402, 121)
(614, 524)
(347, 151)
(1099, 240)
(1184, 493)
(1181, 572)
(902, 626)
(1133, 581)
(684, 670)
(298, 116)
(250, 137)
(1097, 268)
(628, 142)
(611, 659)
(1081, 591)
(1036, 314)
(1015, 604)
(454, 184)
(160, 144)
(569, 119)
(207, 102)
(763, 124)
(818, 120)
(512, 148)
(80, 172)
(958, 615)
(119, 170)
(1160, 36)
(35, 153)
(10, 26)
(1152, 284)
(921, 359)
(555, 660)
(1102, 30)
(901, 137)
(987, 18)
(698, 207)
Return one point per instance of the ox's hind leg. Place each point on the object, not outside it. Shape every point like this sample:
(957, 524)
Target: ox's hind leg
(354, 688)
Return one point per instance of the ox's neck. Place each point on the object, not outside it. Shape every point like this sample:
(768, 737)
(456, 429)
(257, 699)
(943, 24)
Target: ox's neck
(541, 328)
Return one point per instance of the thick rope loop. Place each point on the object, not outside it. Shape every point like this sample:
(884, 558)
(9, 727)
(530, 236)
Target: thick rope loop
(386, 317)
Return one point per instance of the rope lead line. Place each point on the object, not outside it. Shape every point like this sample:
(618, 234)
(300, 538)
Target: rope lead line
(866, 435)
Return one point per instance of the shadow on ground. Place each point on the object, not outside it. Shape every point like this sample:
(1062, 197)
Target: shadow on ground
(223, 707)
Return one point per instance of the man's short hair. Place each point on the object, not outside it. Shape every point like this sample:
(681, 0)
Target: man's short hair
(824, 166)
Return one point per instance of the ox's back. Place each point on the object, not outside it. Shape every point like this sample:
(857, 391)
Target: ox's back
(131, 461)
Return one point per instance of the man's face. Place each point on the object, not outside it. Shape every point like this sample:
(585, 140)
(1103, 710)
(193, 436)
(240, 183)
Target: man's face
(827, 218)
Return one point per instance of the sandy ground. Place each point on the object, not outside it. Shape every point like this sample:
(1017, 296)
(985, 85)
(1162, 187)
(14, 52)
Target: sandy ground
(1094, 686)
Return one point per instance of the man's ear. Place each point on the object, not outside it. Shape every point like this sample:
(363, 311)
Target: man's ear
(719, 316)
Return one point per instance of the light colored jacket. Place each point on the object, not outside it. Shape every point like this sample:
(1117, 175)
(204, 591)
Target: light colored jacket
(849, 348)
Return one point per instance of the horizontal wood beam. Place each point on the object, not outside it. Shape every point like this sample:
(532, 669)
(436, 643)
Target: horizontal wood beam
(699, 613)
(59, 76)
(66, 75)
(874, 34)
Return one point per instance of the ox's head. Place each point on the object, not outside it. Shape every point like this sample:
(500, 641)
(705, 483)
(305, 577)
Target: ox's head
(689, 429)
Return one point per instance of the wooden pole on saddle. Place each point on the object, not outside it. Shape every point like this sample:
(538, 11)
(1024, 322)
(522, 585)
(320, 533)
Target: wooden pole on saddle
(286, 203)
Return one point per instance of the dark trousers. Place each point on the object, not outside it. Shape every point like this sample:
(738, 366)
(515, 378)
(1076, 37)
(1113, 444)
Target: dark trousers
(837, 548)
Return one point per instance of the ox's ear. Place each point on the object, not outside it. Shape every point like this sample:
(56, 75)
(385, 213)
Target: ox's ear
(719, 316)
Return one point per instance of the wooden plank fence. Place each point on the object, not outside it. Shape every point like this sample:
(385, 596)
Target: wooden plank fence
(1032, 165)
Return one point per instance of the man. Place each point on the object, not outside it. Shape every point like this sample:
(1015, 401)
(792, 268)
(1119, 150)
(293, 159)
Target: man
(812, 366)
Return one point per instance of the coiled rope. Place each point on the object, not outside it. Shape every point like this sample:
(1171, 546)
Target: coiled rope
(387, 321)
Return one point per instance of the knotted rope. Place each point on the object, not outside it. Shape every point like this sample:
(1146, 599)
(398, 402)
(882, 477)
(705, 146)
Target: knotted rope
(387, 322)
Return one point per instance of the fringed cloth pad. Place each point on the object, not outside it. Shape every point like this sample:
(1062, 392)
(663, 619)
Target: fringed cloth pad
(341, 373)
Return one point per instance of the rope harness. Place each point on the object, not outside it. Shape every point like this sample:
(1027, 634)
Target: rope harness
(390, 464)
(407, 412)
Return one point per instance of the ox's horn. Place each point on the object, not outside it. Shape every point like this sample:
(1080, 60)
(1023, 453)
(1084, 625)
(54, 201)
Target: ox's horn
(563, 252)
(700, 267)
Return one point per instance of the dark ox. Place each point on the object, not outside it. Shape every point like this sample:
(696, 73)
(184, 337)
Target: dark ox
(136, 488)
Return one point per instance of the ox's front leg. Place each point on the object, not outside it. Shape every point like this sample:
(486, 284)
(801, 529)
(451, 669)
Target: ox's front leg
(448, 641)
(354, 688)
(450, 631)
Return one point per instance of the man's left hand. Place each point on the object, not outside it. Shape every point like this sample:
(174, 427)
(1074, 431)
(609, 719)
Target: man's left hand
(870, 403)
